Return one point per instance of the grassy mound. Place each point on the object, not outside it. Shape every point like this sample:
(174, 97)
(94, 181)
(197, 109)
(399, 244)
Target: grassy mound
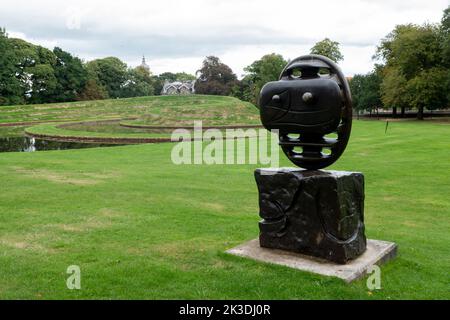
(141, 227)
(160, 110)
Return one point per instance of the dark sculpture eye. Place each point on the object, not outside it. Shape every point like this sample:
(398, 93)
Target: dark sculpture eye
(311, 100)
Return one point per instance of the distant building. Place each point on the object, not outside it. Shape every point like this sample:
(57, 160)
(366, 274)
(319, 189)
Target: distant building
(178, 88)
(144, 65)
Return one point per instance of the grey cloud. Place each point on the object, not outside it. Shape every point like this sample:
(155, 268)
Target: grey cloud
(160, 46)
(112, 29)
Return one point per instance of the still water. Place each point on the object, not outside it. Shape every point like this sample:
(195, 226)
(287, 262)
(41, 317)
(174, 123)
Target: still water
(25, 144)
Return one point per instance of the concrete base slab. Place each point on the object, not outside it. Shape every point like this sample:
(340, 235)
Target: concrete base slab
(377, 252)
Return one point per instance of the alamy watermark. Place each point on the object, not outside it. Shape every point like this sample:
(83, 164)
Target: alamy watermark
(225, 146)
(374, 280)
(73, 282)
(73, 18)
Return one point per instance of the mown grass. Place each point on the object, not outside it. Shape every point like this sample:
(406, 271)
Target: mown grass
(16, 131)
(102, 131)
(92, 131)
(142, 227)
(155, 111)
(160, 110)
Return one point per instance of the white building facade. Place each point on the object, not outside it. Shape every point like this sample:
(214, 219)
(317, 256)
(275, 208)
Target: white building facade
(178, 88)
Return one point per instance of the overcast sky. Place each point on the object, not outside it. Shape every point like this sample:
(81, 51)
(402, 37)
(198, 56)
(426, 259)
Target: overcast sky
(176, 35)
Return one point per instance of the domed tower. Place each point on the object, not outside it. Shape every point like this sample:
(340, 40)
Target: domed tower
(144, 65)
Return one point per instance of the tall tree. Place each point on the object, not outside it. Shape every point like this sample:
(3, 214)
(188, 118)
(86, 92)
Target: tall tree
(428, 90)
(183, 76)
(111, 73)
(266, 69)
(43, 76)
(366, 91)
(170, 76)
(92, 91)
(10, 88)
(415, 53)
(394, 91)
(71, 76)
(445, 34)
(139, 83)
(25, 58)
(328, 48)
(35, 71)
(215, 78)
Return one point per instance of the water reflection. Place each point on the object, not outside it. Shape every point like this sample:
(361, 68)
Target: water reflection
(25, 144)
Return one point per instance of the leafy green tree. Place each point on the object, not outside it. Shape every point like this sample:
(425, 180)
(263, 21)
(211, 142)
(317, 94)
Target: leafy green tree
(71, 76)
(35, 71)
(215, 78)
(183, 76)
(414, 53)
(10, 88)
(25, 58)
(244, 90)
(169, 76)
(264, 70)
(34, 74)
(366, 91)
(413, 48)
(139, 83)
(92, 91)
(394, 92)
(445, 34)
(328, 48)
(110, 73)
(428, 90)
(43, 76)
(43, 83)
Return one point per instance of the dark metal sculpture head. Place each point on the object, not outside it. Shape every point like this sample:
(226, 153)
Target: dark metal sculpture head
(310, 102)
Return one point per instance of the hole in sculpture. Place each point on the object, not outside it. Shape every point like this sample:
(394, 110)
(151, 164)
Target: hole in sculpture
(298, 150)
(332, 135)
(296, 73)
(294, 136)
(324, 71)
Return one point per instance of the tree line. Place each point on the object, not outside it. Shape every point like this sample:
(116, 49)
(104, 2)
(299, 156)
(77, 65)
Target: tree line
(411, 71)
(33, 74)
(216, 77)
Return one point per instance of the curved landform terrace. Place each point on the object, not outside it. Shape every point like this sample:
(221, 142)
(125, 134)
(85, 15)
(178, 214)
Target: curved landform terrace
(71, 132)
(144, 119)
(87, 132)
(21, 124)
(138, 124)
(160, 110)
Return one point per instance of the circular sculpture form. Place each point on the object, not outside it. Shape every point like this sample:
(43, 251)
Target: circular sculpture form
(310, 102)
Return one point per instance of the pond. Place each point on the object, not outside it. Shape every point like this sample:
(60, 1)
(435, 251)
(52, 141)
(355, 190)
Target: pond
(25, 144)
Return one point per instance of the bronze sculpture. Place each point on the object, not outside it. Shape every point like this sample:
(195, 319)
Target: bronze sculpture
(314, 212)
(311, 100)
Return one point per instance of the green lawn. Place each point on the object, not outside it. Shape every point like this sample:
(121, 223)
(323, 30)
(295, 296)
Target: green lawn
(141, 227)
